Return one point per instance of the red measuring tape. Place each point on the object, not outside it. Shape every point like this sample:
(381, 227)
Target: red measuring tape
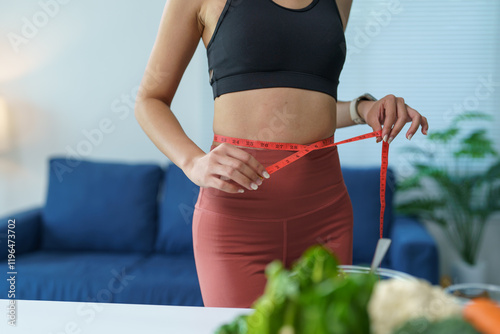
(302, 150)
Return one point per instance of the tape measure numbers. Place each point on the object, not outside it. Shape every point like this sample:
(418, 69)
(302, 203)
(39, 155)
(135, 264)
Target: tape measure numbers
(302, 150)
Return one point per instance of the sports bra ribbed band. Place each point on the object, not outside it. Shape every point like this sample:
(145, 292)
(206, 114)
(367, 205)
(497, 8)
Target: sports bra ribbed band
(261, 44)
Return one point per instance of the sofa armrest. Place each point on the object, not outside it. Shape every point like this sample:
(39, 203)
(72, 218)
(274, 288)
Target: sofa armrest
(413, 249)
(27, 232)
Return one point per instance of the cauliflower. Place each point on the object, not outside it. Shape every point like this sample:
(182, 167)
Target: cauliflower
(394, 302)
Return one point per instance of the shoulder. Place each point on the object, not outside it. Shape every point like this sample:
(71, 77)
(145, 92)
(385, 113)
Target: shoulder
(187, 10)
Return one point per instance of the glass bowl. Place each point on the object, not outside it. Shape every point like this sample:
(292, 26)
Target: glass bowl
(383, 273)
(466, 291)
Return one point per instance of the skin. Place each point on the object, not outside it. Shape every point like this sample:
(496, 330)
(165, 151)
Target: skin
(279, 114)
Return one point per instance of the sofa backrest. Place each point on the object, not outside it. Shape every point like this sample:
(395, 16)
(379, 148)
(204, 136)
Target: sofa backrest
(178, 196)
(100, 206)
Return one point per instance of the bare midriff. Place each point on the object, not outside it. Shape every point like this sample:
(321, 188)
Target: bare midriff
(277, 114)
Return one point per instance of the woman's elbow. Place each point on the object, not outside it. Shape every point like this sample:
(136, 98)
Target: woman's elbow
(138, 108)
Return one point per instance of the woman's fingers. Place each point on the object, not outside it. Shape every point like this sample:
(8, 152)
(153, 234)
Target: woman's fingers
(402, 118)
(373, 118)
(226, 186)
(230, 169)
(425, 125)
(416, 121)
(249, 161)
(390, 114)
(228, 163)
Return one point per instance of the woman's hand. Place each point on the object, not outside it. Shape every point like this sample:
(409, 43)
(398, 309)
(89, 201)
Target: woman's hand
(227, 168)
(392, 113)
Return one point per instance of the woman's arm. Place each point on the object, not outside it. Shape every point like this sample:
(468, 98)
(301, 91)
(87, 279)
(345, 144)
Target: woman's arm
(389, 114)
(178, 37)
(343, 115)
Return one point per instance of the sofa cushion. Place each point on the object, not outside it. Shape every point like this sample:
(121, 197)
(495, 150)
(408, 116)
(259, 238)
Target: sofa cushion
(100, 206)
(178, 197)
(74, 276)
(163, 279)
(27, 231)
(363, 186)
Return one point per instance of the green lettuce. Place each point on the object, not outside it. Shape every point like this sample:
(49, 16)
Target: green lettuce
(313, 297)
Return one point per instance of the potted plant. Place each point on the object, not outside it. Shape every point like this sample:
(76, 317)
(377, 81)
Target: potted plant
(456, 185)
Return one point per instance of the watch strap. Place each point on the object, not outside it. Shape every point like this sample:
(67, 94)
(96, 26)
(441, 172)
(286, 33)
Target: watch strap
(353, 107)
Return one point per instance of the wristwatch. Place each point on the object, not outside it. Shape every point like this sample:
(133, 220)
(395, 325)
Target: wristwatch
(353, 108)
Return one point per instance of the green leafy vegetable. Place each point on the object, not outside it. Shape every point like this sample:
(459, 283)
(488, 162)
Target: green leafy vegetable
(311, 298)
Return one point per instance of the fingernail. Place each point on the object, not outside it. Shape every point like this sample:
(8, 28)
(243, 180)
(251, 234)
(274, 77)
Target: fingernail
(266, 174)
(410, 135)
(259, 182)
(390, 140)
(385, 138)
(241, 191)
(254, 186)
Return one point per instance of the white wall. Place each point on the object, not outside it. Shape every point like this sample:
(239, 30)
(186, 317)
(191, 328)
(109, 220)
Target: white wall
(75, 70)
(82, 68)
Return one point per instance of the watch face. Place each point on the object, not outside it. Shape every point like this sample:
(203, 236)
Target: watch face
(367, 97)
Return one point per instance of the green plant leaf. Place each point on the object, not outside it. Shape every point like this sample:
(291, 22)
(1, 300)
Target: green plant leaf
(439, 221)
(476, 146)
(409, 183)
(471, 116)
(443, 136)
(420, 206)
(493, 172)
(426, 170)
(438, 175)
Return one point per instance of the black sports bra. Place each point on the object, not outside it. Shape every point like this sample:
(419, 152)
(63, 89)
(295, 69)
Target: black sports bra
(259, 44)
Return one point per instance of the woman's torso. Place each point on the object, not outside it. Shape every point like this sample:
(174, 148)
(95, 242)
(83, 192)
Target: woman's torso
(280, 114)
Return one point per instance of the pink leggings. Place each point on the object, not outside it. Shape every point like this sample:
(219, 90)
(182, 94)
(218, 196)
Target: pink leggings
(236, 235)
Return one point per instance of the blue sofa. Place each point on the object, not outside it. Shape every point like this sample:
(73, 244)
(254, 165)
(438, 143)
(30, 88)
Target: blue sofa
(121, 233)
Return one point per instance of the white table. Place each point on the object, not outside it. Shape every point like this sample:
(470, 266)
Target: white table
(48, 317)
